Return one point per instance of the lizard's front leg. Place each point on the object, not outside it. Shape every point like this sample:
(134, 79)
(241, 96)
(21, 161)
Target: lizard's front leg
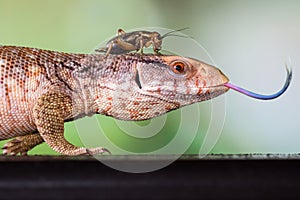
(49, 114)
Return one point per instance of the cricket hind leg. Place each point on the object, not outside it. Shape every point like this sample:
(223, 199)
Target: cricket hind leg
(22, 144)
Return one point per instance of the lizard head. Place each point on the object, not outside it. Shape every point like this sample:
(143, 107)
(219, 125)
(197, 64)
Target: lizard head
(157, 84)
(188, 80)
(179, 80)
(138, 87)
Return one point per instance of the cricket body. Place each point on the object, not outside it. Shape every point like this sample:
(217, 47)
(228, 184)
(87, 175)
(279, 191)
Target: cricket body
(41, 89)
(135, 41)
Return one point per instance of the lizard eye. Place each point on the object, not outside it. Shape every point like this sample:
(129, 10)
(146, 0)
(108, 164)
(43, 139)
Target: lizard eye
(179, 67)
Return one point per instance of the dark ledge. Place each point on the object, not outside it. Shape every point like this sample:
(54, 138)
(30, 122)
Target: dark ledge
(259, 176)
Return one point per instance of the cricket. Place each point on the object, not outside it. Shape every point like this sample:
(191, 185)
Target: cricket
(136, 41)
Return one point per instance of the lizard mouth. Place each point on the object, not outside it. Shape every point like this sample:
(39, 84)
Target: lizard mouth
(262, 96)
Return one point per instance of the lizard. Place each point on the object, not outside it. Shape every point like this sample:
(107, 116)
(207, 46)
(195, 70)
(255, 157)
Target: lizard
(43, 89)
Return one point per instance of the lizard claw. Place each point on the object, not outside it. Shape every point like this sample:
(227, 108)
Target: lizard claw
(97, 150)
(14, 147)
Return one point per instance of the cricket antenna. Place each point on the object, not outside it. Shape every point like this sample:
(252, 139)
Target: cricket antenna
(170, 33)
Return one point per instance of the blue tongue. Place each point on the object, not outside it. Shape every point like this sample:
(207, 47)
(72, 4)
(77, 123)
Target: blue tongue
(261, 96)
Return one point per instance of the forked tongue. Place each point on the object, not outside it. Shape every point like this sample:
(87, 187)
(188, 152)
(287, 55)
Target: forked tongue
(262, 96)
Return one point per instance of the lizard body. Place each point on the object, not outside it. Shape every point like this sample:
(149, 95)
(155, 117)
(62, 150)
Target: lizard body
(42, 89)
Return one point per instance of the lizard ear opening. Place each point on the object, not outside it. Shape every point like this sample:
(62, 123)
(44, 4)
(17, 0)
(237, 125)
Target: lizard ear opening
(137, 79)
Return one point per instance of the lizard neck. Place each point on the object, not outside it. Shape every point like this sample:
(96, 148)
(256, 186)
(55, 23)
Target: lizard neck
(102, 80)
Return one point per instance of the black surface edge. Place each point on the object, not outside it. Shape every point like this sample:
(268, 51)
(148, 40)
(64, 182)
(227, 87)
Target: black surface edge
(44, 177)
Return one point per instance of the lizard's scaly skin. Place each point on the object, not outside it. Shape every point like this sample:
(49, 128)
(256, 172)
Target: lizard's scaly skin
(41, 89)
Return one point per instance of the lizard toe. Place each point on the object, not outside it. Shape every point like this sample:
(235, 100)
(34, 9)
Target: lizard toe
(97, 150)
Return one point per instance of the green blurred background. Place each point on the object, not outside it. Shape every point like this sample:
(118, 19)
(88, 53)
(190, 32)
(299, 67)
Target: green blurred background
(249, 40)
